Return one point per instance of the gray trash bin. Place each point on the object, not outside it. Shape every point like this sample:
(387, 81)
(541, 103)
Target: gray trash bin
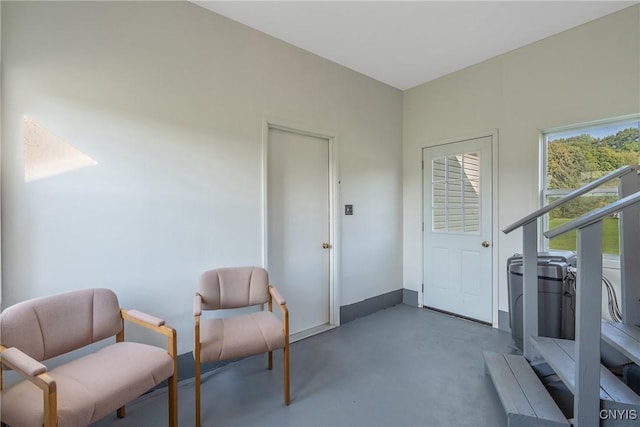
(556, 296)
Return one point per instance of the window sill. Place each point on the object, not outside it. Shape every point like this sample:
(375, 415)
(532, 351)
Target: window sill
(612, 263)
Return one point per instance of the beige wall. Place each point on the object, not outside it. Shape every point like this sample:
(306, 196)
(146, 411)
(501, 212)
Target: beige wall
(169, 98)
(590, 72)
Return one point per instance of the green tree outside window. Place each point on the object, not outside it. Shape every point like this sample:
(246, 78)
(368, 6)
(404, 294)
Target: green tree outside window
(578, 157)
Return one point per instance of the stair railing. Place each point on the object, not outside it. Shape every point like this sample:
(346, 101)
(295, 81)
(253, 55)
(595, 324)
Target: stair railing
(628, 183)
(589, 302)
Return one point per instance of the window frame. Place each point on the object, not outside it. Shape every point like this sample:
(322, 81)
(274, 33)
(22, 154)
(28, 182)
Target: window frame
(609, 260)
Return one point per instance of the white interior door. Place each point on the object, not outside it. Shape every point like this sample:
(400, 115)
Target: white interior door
(457, 210)
(298, 224)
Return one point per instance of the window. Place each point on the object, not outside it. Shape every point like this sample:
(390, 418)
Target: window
(456, 193)
(575, 156)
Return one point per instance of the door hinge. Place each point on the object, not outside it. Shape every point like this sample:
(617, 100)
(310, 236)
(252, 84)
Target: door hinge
(423, 226)
(423, 165)
(423, 288)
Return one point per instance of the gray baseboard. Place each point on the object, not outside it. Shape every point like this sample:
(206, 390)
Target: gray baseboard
(410, 297)
(503, 321)
(370, 305)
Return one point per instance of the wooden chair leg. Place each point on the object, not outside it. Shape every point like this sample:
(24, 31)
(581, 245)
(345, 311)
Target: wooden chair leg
(287, 397)
(172, 346)
(197, 378)
(50, 406)
(173, 401)
(121, 412)
(270, 360)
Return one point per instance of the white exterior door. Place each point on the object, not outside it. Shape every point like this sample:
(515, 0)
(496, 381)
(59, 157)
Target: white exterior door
(457, 185)
(298, 226)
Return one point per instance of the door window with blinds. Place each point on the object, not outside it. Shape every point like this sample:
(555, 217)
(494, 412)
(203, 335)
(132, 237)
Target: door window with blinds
(455, 200)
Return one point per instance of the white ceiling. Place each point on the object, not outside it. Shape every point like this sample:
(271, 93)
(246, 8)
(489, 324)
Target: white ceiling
(406, 43)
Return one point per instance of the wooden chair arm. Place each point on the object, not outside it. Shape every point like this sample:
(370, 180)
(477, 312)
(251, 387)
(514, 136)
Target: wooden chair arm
(150, 322)
(282, 305)
(21, 362)
(276, 296)
(147, 318)
(35, 372)
(147, 321)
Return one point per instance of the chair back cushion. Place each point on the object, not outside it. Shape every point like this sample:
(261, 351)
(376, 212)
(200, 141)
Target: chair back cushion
(233, 287)
(49, 326)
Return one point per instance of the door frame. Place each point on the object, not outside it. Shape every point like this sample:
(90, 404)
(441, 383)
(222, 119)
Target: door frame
(495, 287)
(269, 123)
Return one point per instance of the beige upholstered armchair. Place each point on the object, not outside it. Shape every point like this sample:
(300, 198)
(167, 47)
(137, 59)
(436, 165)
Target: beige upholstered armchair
(242, 335)
(85, 389)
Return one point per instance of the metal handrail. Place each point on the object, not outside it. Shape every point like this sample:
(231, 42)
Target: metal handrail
(574, 194)
(594, 216)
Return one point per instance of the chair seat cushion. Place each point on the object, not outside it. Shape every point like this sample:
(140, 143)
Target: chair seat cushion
(91, 386)
(240, 336)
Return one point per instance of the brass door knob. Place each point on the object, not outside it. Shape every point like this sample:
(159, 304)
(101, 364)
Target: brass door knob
(325, 245)
(485, 244)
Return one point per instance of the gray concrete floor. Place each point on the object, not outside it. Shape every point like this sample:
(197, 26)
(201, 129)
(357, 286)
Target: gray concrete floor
(402, 366)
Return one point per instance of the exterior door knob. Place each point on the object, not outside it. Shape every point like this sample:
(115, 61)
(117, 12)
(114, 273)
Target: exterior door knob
(485, 244)
(325, 245)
